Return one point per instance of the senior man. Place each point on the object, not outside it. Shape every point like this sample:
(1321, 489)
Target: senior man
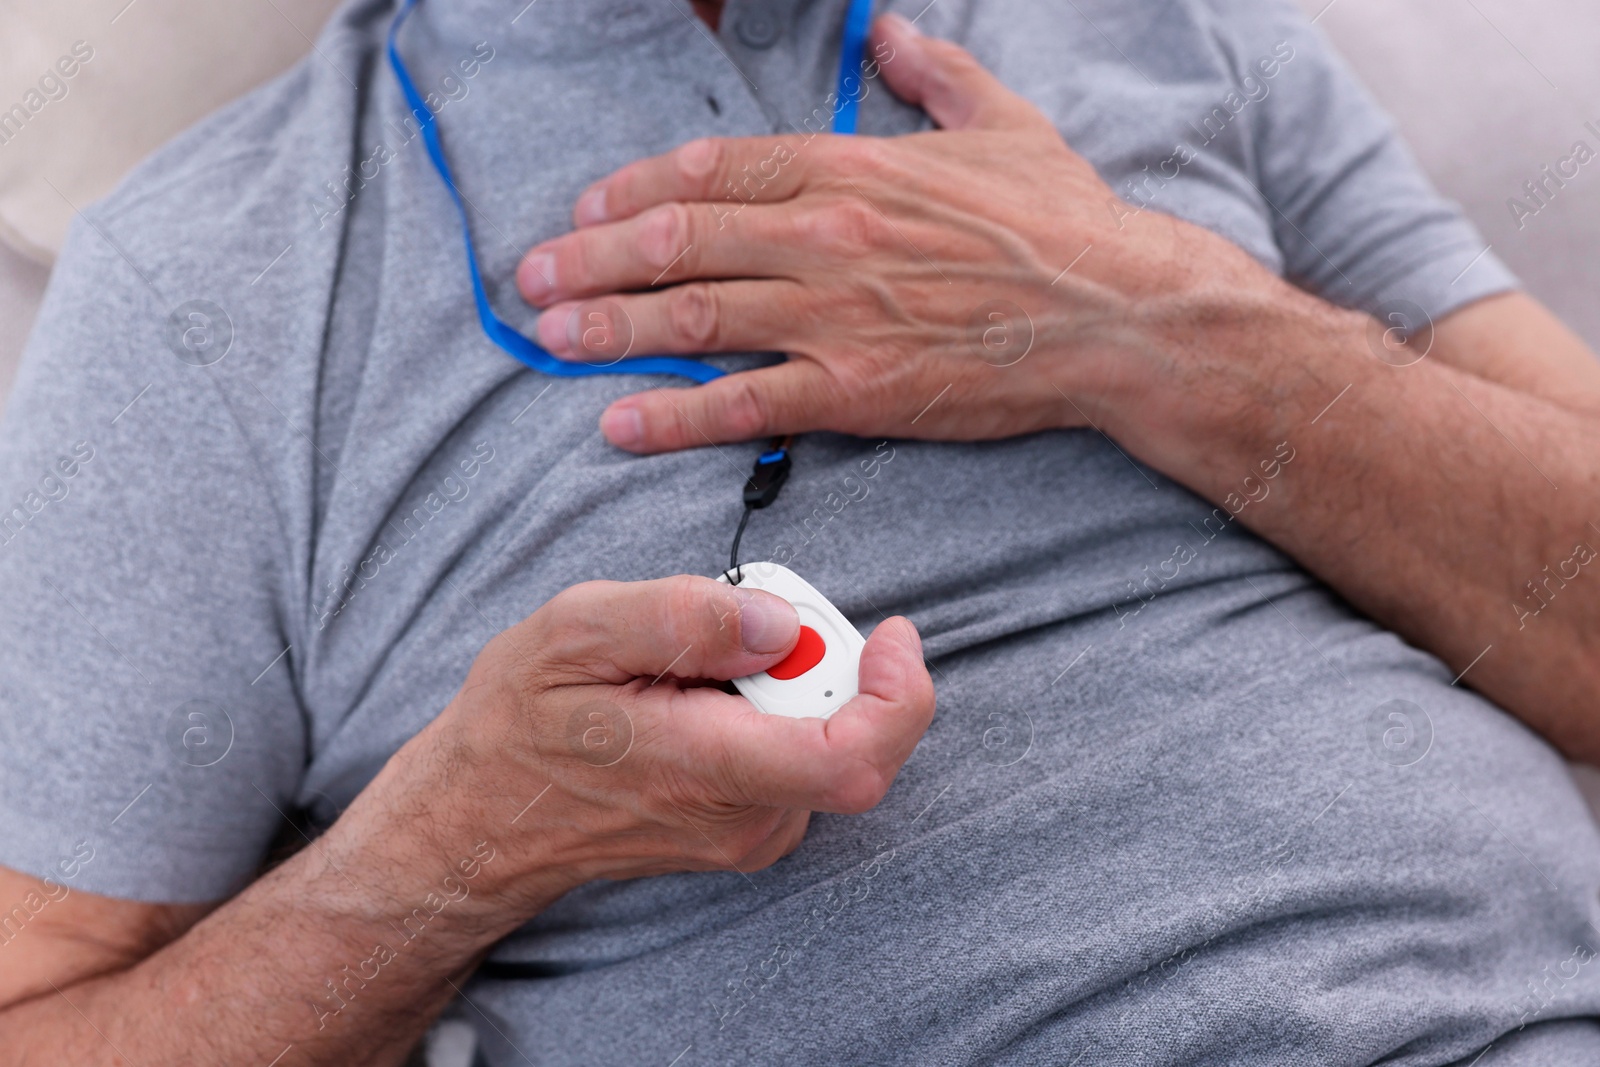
(1078, 340)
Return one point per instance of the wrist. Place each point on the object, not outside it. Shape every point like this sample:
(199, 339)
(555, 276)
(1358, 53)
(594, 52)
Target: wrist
(1223, 368)
(441, 857)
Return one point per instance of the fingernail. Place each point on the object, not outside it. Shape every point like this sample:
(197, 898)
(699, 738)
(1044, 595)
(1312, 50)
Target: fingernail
(551, 329)
(623, 426)
(766, 623)
(538, 277)
(591, 207)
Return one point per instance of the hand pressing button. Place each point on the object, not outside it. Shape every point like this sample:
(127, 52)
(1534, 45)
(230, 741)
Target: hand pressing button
(808, 652)
(821, 674)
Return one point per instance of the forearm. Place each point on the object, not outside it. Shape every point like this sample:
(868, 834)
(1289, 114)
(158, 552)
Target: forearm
(342, 955)
(345, 953)
(1445, 506)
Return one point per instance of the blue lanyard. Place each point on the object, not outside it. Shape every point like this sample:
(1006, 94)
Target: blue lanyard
(851, 53)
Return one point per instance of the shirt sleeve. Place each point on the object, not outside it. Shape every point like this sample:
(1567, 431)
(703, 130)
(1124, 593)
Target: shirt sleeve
(150, 737)
(1356, 219)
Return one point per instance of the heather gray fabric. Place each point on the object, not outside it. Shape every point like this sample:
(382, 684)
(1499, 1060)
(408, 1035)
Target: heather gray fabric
(1167, 813)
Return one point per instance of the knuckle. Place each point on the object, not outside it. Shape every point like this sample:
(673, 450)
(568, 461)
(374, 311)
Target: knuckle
(857, 787)
(952, 63)
(495, 664)
(557, 630)
(746, 412)
(870, 163)
(681, 593)
(859, 155)
(700, 160)
(571, 603)
(846, 228)
(664, 234)
(749, 838)
(694, 316)
(689, 598)
(951, 54)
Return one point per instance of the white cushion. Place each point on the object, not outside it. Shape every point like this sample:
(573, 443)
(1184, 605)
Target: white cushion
(140, 72)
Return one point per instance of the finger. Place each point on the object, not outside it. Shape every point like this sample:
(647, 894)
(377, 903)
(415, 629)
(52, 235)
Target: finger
(737, 316)
(730, 172)
(791, 397)
(683, 627)
(945, 81)
(841, 764)
(893, 709)
(669, 243)
(784, 839)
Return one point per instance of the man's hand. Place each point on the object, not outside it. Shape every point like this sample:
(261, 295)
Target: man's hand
(980, 281)
(984, 265)
(584, 744)
(601, 697)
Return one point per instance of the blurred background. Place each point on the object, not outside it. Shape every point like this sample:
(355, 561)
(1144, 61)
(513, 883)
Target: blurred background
(1489, 93)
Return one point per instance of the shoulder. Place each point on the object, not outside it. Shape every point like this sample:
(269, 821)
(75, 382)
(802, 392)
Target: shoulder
(206, 255)
(184, 322)
(229, 187)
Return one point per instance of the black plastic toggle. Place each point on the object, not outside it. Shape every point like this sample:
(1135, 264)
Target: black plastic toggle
(771, 471)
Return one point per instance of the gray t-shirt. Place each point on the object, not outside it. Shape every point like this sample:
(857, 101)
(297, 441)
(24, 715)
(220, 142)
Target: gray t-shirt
(1179, 803)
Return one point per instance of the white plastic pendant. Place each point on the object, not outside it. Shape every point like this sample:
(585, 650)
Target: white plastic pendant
(823, 672)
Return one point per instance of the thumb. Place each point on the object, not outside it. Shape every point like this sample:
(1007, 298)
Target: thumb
(688, 626)
(945, 81)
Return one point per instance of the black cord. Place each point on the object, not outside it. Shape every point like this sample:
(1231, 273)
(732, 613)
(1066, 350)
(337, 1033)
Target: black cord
(766, 480)
(733, 553)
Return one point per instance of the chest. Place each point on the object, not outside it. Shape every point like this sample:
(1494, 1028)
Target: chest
(476, 491)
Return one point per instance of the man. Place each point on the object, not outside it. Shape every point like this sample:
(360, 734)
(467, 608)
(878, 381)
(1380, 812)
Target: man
(1181, 802)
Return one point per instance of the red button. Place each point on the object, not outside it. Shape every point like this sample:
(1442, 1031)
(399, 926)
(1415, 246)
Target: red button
(807, 653)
